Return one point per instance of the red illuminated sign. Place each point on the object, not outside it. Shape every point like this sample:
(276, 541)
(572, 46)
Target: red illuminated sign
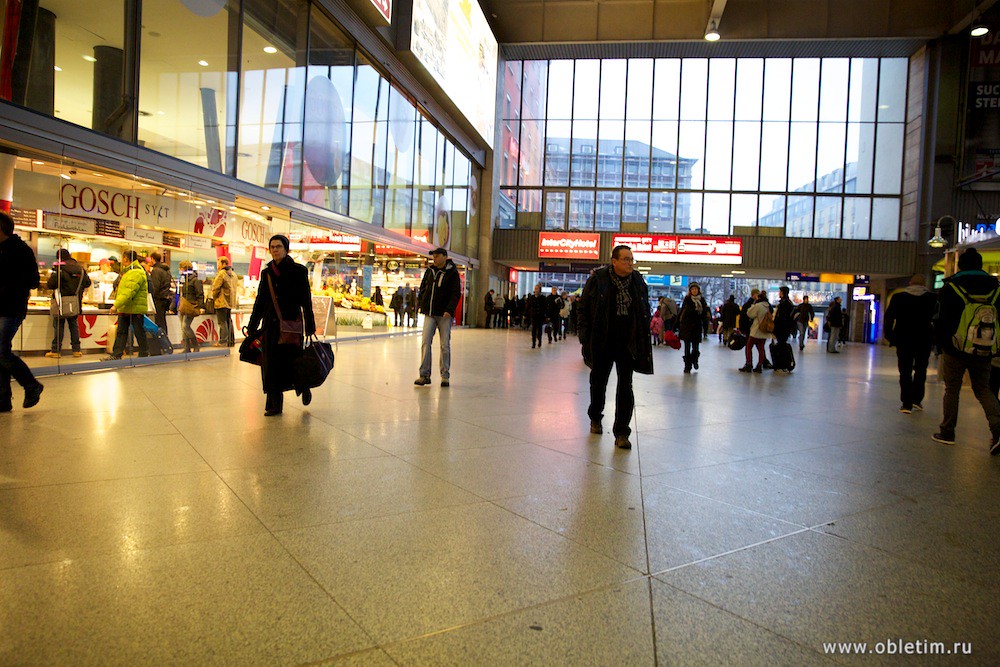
(569, 246)
(513, 275)
(683, 249)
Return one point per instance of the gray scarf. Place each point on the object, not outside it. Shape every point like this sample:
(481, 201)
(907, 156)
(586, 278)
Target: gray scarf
(623, 297)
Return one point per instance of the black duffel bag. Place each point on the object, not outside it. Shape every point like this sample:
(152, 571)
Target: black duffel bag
(250, 348)
(313, 365)
(737, 341)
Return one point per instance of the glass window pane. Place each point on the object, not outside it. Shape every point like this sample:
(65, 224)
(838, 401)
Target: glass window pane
(746, 156)
(557, 153)
(805, 88)
(555, 209)
(860, 157)
(719, 155)
(533, 89)
(833, 89)
(639, 95)
(777, 88)
(827, 224)
(584, 160)
(722, 73)
(666, 89)
(774, 157)
(530, 152)
(749, 88)
(609, 210)
(864, 74)
(512, 87)
(771, 215)
(892, 81)
(689, 212)
(802, 157)
(529, 209)
(581, 209)
(885, 219)
(716, 218)
(694, 88)
(800, 216)
(691, 154)
(664, 156)
(637, 147)
(743, 214)
(857, 217)
(611, 149)
(587, 82)
(560, 95)
(661, 211)
(888, 158)
(507, 208)
(635, 208)
(366, 93)
(613, 78)
(399, 165)
(830, 157)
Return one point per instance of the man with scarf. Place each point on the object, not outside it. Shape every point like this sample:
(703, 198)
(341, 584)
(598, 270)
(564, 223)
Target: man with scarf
(613, 327)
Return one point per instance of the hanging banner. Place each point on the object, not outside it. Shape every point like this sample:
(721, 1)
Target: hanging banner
(683, 249)
(569, 246)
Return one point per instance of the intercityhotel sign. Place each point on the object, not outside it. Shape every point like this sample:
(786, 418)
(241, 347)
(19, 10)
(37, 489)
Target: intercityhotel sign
(683, 249)
(569, 246)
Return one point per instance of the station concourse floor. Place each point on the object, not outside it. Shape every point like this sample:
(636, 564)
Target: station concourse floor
(155, 516)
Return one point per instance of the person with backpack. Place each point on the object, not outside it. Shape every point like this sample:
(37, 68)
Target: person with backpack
(761, 328)
(909, 328)
(966, 333)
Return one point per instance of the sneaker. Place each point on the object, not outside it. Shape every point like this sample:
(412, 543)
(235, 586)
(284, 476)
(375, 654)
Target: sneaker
(52, 355)
(422, 381)
(110, 357)
(78, 353)
(905, 409)
(445, 383)
(944, 438)
(32, 395)
(621, 442)
(917, 407)
(595, 427)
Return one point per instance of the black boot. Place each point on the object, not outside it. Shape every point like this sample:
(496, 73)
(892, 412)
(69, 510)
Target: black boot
(274, 403)
(687, 364)
(694, 359)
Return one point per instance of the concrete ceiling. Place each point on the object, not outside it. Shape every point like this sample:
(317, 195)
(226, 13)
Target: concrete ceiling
(546, 21)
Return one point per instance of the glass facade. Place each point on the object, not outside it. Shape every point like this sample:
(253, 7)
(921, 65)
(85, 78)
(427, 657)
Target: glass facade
(273, 93)
(799, 147)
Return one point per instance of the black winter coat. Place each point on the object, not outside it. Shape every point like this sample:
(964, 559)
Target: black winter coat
(784, 319)
(909, 317)
(68, 278)
(440, 290)
(593, 315)
(692, 324)
(18, 276)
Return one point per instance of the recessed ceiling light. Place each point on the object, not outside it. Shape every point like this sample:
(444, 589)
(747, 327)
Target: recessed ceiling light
(37, 162)
(735, 271)
(96, 174)
(65, 176)
(57, 68)
(203, 63)
(90, 59)
(270, 49)
(265, 208)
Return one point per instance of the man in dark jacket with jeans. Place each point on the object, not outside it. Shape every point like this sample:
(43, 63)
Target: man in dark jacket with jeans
(613, 327)
(18, 276)
(439, 294)
(973, 281)
(909, 328)
(159, 288)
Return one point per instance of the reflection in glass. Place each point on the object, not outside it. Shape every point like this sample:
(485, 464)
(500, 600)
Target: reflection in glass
(533, 92)
(507, 208)
(889, 158)
(555, 210)
(584, 160)
(608, 214)
(689, 213)
(581, 209)
(827, 224)
(529, 209)
(857, 217)
(800, 216)
(661, 211)
(885, 219)
(531, 151)
(399, 166)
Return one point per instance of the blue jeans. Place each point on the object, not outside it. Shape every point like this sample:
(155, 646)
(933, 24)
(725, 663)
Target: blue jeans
(59, 335)
(443, 326)
(11, 365)
(803, 333)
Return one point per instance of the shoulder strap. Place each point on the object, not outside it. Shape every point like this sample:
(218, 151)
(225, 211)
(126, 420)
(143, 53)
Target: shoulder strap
(274, 298)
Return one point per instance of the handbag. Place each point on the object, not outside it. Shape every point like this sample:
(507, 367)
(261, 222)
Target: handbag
(290, 332)
(66, 306)
(311, 368)
(766, 324)
(187, 309)
(250, 350)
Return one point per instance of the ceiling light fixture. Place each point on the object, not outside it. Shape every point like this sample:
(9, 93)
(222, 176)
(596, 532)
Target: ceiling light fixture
(712, 34)
(90, 59)
(203, 63)
(65, 176)
(57, 68)
(265, 208)
(937, 241)
(270, 49)
(979, 30)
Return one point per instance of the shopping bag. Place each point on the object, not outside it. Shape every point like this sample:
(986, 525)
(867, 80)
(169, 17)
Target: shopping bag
(671, 339)
(250, 350)
(313, 365)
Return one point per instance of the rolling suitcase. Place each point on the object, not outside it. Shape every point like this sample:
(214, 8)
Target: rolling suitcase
(782, 357)
(156, 340)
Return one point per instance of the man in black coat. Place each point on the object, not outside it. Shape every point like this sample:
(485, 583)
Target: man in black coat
(784, 316)
(959, 355)
(18, 276)
(804, 314)
(69, 278)
(835, 318)
(909, 327)
(159, 288)
(439, 293)
(613, 327)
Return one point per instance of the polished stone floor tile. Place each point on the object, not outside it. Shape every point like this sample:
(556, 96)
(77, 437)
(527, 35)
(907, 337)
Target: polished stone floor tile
(407, 575)
(416, 437)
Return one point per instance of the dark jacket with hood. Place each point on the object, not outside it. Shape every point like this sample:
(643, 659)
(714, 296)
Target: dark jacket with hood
(18, 276)
(835, 314)
(909, 317)
(159, 281)
(440, 290)
(784, 318)
(730, 311)
(976, 282)
(68, 278)
(594, 319)
(691, 322)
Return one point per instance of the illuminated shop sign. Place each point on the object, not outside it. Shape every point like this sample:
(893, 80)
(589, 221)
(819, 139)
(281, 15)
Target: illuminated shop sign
(454, 43)
(332, 242)
(684, 249)
(569, 246)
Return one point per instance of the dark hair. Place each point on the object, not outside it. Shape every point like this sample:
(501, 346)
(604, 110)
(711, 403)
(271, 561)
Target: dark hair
(130, 255)
(617, 250)
(6, 223)
(783, 289)
(283, 239)
(157, 257)
(970, 259)
(224, 261)
(63, 254)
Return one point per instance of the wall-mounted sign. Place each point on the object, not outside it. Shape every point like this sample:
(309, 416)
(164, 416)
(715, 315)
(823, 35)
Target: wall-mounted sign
(384, 8)
(144, 236)
(684, 249)
(840, 278)
(796, 277)
(331, 242)
(65, 223)
(513, 275)
(197, 242)
(569, 246)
